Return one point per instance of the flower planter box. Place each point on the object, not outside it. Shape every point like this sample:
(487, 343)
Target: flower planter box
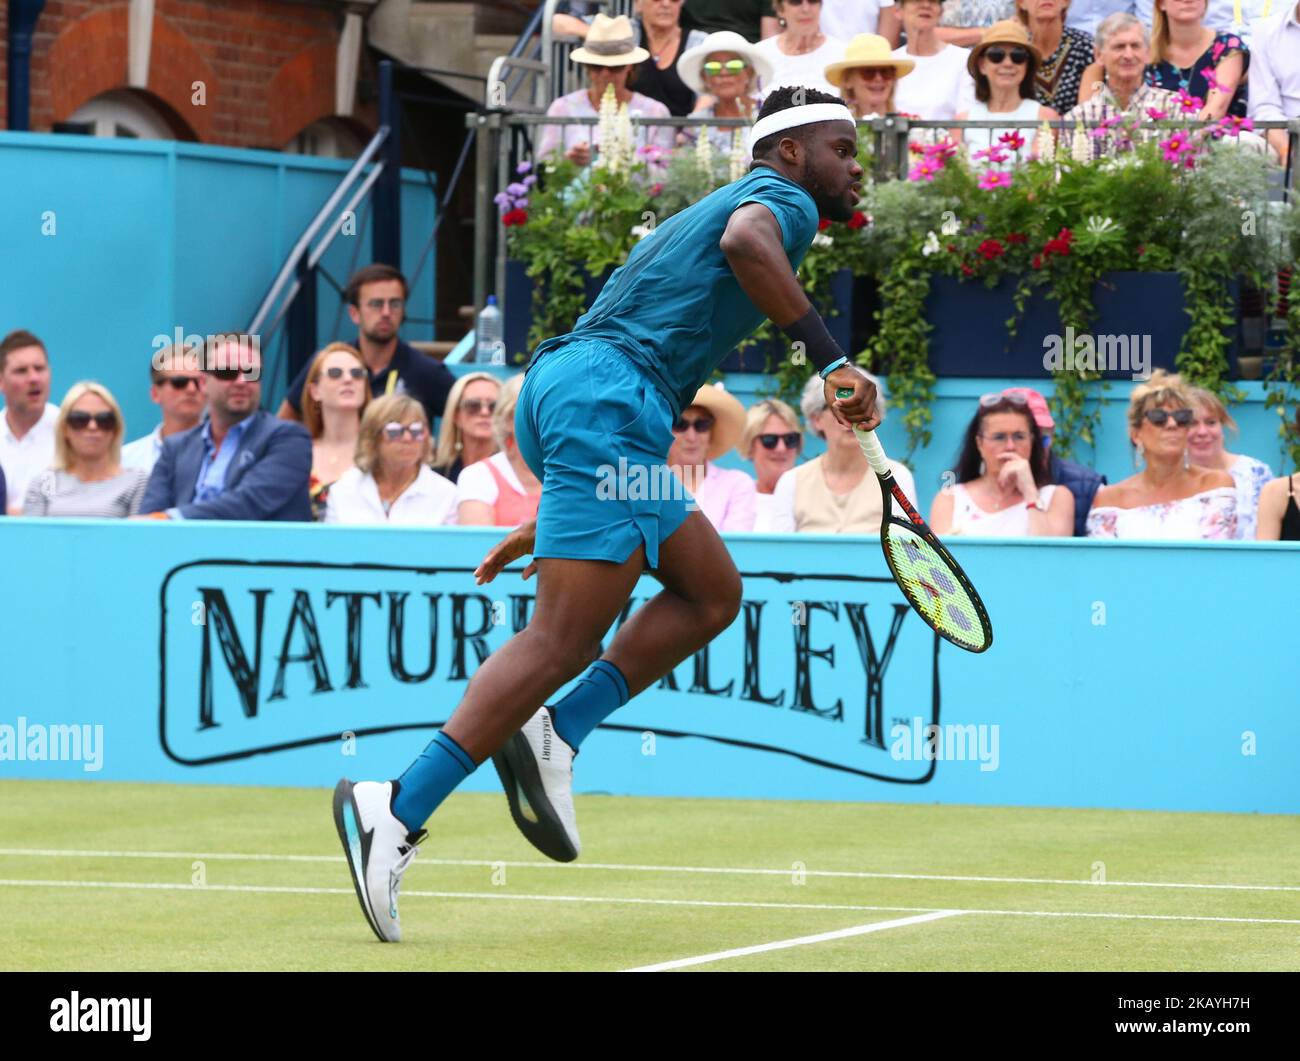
(757, 357)
(970, 336)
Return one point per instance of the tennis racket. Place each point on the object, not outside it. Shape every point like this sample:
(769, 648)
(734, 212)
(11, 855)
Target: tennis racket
(931, 580)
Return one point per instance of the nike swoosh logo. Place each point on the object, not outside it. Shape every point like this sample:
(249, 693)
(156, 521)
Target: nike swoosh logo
(351, 827)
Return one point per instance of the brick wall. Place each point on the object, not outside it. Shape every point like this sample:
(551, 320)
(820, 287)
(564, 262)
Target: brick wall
(267, 66)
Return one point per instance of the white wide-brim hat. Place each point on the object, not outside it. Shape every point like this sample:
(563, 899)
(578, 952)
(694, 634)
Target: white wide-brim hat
(610, 43)
(691, 61)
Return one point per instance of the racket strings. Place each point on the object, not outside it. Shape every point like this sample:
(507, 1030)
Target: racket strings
(934, 589)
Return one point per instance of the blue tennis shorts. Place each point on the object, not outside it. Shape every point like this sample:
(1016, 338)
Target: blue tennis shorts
(596, 431)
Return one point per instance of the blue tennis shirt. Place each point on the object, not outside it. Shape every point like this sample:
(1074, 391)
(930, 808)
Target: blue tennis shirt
(675, 307)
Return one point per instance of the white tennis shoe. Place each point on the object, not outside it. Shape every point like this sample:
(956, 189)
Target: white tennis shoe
(536, 770)
(379, 848)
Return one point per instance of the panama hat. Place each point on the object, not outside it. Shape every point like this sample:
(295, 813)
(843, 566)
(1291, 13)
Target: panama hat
(728, 418)
(1008, 31)
(610, 43)
(689, 66)
(867, 49)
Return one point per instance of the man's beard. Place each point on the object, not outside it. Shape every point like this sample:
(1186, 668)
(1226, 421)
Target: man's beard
(374, 337)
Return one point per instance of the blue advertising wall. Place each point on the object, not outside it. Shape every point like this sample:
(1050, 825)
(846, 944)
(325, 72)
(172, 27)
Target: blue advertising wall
(105, 244)
(1155, 676)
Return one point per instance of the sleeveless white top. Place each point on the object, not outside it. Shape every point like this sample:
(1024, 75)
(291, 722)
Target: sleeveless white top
(978, 139)
(1011, 522)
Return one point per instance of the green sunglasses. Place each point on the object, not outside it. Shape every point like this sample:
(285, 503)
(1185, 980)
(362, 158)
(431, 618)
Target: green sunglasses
(731, 66)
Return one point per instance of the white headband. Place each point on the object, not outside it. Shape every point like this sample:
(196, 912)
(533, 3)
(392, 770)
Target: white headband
(791, 117)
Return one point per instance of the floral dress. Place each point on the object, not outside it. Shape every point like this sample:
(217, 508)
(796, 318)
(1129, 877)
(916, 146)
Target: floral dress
(1208, 516)
(1195, 79)
(1250, 475)
(1056, 82)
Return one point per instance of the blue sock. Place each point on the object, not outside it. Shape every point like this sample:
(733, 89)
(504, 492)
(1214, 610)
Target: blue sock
(600, 692)
(442, 766)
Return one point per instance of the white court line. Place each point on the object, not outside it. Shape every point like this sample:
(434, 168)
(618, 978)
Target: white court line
(623, 900)
(821, 937)
(634, 867)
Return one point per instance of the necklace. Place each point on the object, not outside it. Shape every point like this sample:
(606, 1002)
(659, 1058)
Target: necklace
(672, 39)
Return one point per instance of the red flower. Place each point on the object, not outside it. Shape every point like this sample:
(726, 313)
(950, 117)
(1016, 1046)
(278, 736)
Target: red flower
(1060, 245)
(952, 248)
(1037, 263)
(514, 217)
(823, 224)
(1142, 249)
(967, 270)
(1017, 237)
(857, 220)
(991, 249)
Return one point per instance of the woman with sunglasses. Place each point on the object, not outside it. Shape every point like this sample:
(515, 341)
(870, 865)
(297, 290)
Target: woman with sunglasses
(502, 490)
(86, 477)
(1068, 52)
(335, 394)
(867, 76)
(466, 436)
(1004, 65)
(1004, 484)
(1169, 497)
(800, 53)
(772, 441)
(837, 492)
(940, 84)
(725, 70)
(708, 429)
(391, 481)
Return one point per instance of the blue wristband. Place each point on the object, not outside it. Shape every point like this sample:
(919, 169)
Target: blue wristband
(833, 366)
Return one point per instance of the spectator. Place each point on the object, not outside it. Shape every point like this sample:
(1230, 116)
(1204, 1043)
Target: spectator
(240, 462)
(752, 19)
(502, 490)
(707, 429)
(658, 30)
(725, 69)
(27, 432)
(391, 481)
(1219, 14)
(772, 440)
(1064, 53)
(1279, 516)
(1186, 54)
(1082, 482)
(376, 296)
(609, 56)
(845, 19)
(1003, 487)
(467, 436)
(1087, 15)
(86, 477)
(336, 395)
(1003, 65)
(1122, 50)
(964, 21)
(1275, 84)
(868, 76)
(1206, 450)
(941, 85)
(1169, 497)
(176, 386)
(836, 493)
(800, 53)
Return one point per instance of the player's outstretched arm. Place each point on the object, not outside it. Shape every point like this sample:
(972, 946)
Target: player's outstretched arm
(519, 542)
(753, 248)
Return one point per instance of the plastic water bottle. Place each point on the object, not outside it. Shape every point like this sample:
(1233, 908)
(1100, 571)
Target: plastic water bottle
(489, 349)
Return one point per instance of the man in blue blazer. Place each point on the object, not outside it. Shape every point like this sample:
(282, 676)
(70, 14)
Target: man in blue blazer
(240, 462)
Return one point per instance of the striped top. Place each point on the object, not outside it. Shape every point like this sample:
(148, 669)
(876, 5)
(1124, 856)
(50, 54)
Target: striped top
(59, 493)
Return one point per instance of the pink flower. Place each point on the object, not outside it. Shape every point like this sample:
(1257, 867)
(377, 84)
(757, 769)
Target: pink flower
(1177, 145)
(1013, 140)
(924, 170)
(995, 178)
(1234, 126)
(1156, 115)
(1188, 103)
(656, 188)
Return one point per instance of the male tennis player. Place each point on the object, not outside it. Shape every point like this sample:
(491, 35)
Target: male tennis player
(612, 389)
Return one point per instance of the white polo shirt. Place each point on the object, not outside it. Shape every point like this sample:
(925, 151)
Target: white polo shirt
(24, 458)
(430, 501)
(1275, 68)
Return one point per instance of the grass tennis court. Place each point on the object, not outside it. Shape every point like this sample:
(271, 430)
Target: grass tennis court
(100, 876)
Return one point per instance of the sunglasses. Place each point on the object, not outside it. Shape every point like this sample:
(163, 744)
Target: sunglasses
(80, 420)
(394, 431)
(1159, 417)
(791, 440)
(731, 66)
(377, 304)
(336, 372)
(988, 401)
(182, 383)
(999, 438)
(702, 425)
(870, 73)
(229, 375)
(478, 406)
(1018, 55)
(800, 3)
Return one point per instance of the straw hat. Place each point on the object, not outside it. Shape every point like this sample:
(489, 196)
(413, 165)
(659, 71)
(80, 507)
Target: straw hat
(1008, 31)
(728, 419)
(689, 65)
(867, 49)
(610, 43)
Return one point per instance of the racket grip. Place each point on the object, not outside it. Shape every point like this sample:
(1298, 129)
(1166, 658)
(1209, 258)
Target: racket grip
(871, 447)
